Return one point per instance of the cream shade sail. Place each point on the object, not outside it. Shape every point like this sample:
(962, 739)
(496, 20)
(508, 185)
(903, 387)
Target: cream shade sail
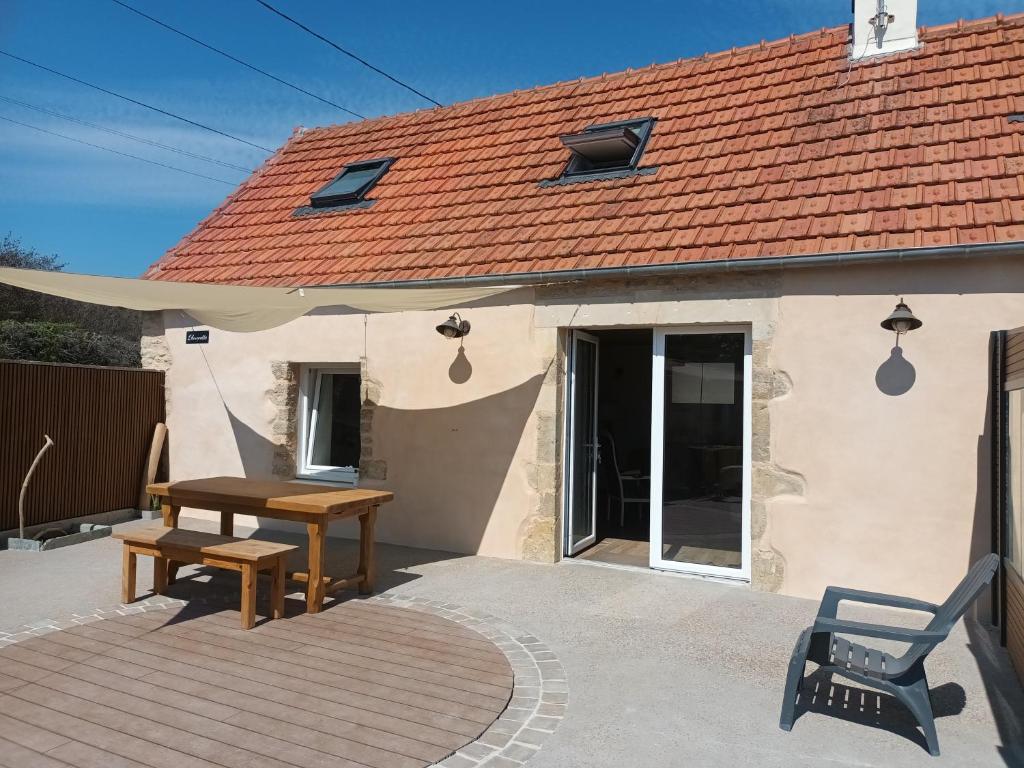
(237, 307)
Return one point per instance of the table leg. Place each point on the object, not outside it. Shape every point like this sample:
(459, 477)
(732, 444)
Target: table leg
(227, 523)
(367, 567)
(171, 513)
(128, 561)
(248, 596)
(317, 550)
(277, 589)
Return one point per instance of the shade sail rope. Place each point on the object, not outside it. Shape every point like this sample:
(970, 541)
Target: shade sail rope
(239, 307)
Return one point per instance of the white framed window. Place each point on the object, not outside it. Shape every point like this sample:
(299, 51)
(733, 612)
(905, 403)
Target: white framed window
(328, 420)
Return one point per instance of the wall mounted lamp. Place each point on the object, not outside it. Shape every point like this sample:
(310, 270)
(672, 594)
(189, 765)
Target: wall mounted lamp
(901, 320)
(454, 327)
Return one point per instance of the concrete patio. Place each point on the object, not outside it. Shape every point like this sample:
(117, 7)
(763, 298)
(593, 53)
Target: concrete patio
(661, 670)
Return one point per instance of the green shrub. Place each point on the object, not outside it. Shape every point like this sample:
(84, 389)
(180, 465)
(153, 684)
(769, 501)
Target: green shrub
(51, 342)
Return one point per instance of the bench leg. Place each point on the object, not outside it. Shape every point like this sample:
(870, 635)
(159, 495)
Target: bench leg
(227, 523)
(367, 566)
(248, 596)
(277, 589)
(128, 561)
(159, 575)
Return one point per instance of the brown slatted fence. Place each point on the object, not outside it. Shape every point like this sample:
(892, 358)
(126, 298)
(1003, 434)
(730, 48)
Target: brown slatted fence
(1011, 613)
(1015, 620)
(101, 420)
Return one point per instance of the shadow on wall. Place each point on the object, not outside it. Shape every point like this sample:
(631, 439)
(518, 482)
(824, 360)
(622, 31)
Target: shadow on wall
(254, 450)
(460, 371)
(896, 375)
(447, 466)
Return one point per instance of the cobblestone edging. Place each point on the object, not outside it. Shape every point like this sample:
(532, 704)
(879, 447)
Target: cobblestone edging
(540, 692)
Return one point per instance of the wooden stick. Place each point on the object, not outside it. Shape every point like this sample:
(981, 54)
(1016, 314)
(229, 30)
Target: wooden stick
(24, 486)
(156, 447)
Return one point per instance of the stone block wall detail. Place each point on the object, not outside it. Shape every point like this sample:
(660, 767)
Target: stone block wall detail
(284, 431)
(768, 479)
(156, 353)
(540, 534)
(284, 397)
(370, 468)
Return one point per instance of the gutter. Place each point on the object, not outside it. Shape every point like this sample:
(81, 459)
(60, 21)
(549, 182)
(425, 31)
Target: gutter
(937, 253)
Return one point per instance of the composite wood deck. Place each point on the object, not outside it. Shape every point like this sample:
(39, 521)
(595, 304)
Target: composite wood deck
(358, 685)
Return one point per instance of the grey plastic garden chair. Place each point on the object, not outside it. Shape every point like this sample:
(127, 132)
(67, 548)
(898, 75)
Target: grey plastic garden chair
(902, 676)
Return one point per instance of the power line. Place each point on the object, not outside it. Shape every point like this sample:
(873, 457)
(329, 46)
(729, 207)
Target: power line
(142, 139)
(338, 48)
(132, 101)
(237, 60)
(115, 151)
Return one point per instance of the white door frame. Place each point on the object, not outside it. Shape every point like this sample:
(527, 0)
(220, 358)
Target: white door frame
(657, 445)
(570, 422)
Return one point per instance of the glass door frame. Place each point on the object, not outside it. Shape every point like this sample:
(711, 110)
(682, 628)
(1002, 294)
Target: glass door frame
(657, 447)
(569, 476)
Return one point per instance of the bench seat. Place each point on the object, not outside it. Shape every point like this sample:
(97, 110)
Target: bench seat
(248, 556)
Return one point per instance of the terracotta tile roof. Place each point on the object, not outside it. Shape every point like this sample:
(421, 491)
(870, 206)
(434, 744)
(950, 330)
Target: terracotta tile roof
(779, 149)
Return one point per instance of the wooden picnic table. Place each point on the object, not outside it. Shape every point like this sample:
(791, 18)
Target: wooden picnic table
(315, 505)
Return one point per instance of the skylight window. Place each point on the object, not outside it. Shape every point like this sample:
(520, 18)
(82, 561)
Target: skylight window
(611, 148)
(351, 185)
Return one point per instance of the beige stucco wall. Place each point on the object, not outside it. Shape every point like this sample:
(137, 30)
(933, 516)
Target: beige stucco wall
(851, 485)
(896, 487)
(456, 430)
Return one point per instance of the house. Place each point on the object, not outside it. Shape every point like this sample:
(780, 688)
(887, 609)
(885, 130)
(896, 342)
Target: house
(705, 250)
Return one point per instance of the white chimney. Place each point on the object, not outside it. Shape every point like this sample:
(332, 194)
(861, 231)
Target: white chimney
(883, 26)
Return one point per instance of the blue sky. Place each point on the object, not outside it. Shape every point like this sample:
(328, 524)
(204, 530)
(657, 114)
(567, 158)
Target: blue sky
(105, 214)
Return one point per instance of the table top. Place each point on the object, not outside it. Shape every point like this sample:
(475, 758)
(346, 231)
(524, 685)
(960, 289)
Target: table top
(269, 495)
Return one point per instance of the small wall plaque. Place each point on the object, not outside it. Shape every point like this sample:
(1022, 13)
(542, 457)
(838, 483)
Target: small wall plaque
(197, 337)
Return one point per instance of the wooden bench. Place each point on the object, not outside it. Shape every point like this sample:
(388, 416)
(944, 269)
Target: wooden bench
(249, 556)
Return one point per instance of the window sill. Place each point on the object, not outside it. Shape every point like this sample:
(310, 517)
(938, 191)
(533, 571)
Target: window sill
(312, 480)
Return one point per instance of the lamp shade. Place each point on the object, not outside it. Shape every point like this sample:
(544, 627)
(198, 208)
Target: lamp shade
(901, 319)
(454, 327)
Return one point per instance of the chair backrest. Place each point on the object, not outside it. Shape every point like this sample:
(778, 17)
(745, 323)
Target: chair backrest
(966, 592)
(612, 463)
(959, 600)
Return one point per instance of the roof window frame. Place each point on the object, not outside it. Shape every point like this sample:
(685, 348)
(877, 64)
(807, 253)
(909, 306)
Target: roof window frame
(575, 170)
(349, 199)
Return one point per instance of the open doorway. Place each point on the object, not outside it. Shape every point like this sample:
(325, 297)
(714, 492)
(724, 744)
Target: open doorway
(620, 430)
(658, 461)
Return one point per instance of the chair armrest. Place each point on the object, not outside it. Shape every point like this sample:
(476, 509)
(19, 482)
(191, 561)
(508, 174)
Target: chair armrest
(882, 632)
(834, 595)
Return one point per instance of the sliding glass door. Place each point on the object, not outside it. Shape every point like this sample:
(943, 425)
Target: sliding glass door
(700, 451)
